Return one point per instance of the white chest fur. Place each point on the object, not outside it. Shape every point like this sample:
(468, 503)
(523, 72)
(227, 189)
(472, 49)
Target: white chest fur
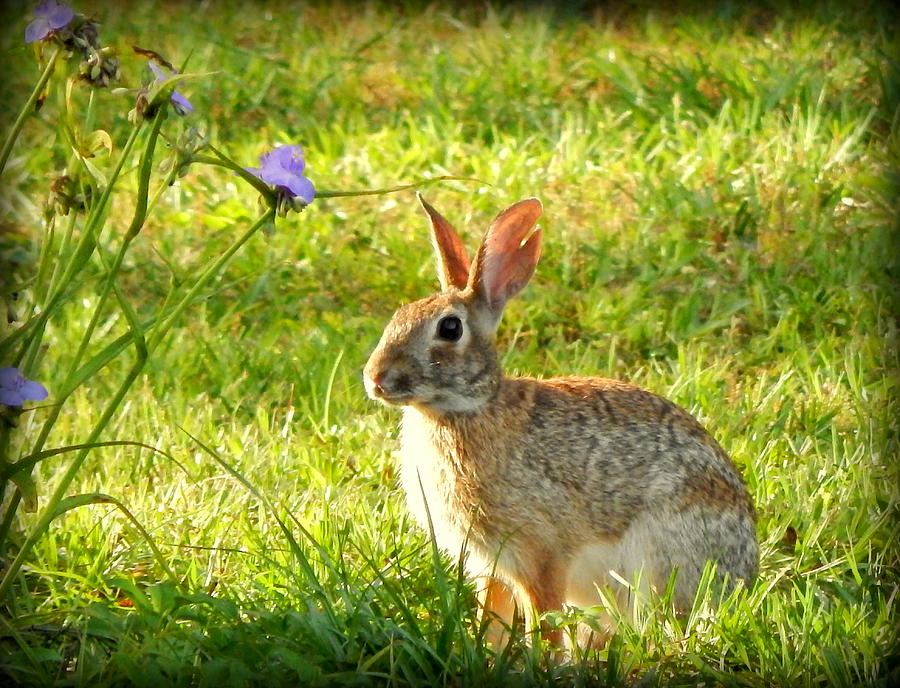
(425, 479)
(432, 485)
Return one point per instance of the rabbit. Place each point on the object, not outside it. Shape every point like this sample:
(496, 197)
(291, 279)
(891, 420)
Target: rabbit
(549, 488)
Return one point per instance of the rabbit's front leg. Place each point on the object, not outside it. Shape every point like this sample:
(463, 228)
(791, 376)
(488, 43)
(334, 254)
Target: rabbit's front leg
(497, 608)
(542, 592)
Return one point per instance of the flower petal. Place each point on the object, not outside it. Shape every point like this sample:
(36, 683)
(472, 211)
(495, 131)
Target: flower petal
(157, 71)
(37, 30)
(302, 187)
(288, 158)
(9, 377)
(270, 160)
(59, 15)
(10, 397)
(182, 104)
(276, 176)
(33, 391)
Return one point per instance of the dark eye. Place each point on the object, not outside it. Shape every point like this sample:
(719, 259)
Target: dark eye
(450, 328)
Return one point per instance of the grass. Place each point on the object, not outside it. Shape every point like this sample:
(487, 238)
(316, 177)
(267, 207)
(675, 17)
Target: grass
(720, 227)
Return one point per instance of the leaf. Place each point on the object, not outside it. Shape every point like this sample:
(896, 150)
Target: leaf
(102, 622)
(153, 55)
(69, 105)
(85, 147)
(95, 141)
(135, 595)
(75, 501)
(303, 670)
(93, 170)
(160, 91)
(27, 489)
(28, 462)
(165, 597)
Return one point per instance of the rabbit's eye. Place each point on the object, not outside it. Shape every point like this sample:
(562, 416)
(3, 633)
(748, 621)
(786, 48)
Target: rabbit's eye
(450, 328)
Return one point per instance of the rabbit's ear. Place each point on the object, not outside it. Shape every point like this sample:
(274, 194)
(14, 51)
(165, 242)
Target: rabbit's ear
(506, 259)
(452, 260)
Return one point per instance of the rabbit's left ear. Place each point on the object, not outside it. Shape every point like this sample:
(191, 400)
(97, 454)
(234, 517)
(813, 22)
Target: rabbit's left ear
(452, 259)
(506, 258)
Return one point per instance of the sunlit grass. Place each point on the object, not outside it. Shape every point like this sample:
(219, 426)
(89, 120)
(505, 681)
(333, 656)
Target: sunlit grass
(718, 229)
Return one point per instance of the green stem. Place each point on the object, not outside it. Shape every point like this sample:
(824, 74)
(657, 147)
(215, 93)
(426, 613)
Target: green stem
(49, 511)
(89, 115)
(5, 463)
(145, 168)
(222, 160)
(58, 265)
(8, 517)
(140, 215)
(162, 188)
(26, 110)
(160, 331)
(95, 219)
(325, 193)
(76, 262)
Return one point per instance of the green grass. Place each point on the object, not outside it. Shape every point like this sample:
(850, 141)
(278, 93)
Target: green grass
(720, 227)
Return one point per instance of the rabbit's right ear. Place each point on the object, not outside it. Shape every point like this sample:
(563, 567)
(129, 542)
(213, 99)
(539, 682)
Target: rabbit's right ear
(453, 262)
(507, 256)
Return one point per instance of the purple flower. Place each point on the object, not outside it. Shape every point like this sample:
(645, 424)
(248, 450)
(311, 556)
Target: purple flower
(49, 16)
(182, 104)
(15, 389)
(283, 167)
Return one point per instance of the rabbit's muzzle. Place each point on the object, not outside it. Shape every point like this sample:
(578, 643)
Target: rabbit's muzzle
(389, 386)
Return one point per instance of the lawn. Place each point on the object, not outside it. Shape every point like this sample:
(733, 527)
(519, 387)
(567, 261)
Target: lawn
(720, 226)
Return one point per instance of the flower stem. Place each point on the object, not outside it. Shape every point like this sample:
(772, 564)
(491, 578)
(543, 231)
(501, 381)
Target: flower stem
(49, 511)
(138, 219)
(49, 283)
(26, 110)
(222, 160)
(75, 263)
(324, 193)
(8, 517)
(5, 427)
(160, 331)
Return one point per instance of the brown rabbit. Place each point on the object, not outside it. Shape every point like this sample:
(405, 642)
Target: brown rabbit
(547, 485)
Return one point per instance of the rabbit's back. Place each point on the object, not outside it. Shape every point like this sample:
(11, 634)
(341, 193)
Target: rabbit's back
(567, 464)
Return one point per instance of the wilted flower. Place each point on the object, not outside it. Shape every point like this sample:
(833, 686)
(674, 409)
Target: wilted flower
(76, 34)
(49, 16)
(15, 389)
(182, 105)
(100, 67)
(283, 168)
(66, 194)
(11, 315)
(190, 142)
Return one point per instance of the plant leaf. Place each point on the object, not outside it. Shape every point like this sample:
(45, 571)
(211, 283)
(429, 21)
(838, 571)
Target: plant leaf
(95, 141)
(28, 462)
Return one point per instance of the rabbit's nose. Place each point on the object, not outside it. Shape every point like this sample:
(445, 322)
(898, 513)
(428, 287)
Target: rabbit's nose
(376, 379)
(373, 383)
